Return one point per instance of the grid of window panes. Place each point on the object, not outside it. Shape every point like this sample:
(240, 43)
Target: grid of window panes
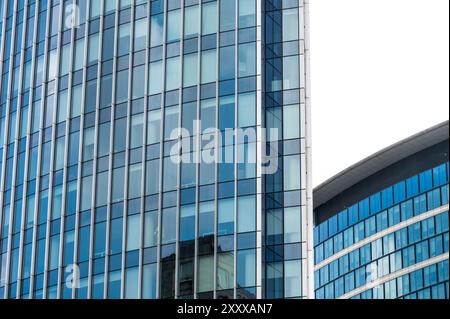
(427, 283)
(411, 244)
(284, 53)
(90, 93)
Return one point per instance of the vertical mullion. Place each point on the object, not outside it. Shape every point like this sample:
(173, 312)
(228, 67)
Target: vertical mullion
(161, 152)
(41, 136)
(236, 146)
(309, 293)
(30, 116)
(3, 155)
(219, 152)
(127, 144)
(66, 137)
(260, 140)
(199, 149)
(143, 157)
(180, 115)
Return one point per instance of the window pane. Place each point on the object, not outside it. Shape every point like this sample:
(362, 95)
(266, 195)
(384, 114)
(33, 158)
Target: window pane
(138, 82)
(170, 174)
(226, 217)
(225, 271)
(246, 268)
(137, 130)
(290, 73)
(209, 18)
(291, 171)
(151, 229)
(247, 110)
(247, 13)
(189, 115)
(191, 22)
(134, 181)
(208, 114)
(173, 25)
(76, 101)
(149, 282)
(118, 180)
(206, 219)
(169, 222)
(190, 70)
(187, 223)
(290, 24)
(103, 139)
(132, 283)
(227, 112)
(205, 273)
(88, 145)
(156, 28)
(208, 66)
(140, 34)
(124, 39)
(292, 225)
(65, 60)
(227, 63)
(119, 137)
(115, 240)
(133, 232)
(154, 127)
(173, 74)
(102, 196)
(155, 78)
(152, 177)
(122, 86)
(246, 214)
(79, 55)
(291, 127)
(293, 279)
(227, 15)
(86, 193)
(247, 59)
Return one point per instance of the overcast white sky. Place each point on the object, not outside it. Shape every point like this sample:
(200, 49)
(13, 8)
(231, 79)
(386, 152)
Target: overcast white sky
(380, 73)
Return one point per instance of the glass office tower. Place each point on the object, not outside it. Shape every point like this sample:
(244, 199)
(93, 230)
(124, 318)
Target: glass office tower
(382, 225)
(98, 100)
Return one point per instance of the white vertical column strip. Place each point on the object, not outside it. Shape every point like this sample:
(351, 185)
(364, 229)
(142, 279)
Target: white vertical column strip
(309, 191)
(236, 146)
(219, 150)
(260, 273)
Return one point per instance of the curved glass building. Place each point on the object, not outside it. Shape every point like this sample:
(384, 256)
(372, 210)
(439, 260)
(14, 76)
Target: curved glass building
(381, 226)
(109, 113)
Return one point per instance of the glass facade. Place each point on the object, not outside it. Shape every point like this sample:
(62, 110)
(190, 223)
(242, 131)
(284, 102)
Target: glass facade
(392, 244)
(92, 204)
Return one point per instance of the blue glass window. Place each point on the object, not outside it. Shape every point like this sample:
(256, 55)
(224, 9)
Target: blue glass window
(426, 181)
(187, 223)
(206, 219)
